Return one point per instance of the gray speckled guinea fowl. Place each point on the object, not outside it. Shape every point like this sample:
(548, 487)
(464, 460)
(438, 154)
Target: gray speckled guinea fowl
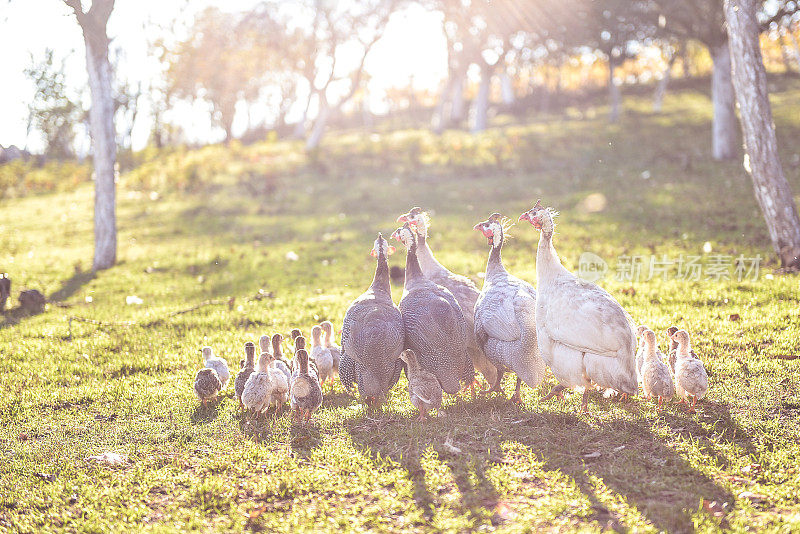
(305, 393)
(247, 369)
(207, 385)
(463, 289)
(424, 390)
(505, 315)
(435, 328)
(373, 334)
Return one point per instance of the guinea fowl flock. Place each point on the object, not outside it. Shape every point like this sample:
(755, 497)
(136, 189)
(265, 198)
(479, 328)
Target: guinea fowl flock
(445, 329)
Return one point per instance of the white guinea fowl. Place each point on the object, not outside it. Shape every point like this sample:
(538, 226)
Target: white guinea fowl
(321, 355)
(656, 377)
(585, 336)
(218, 364)
(691, 379)
(505, 315)
(463, 289)
(257, 393)
(328, 341)
(424, 390)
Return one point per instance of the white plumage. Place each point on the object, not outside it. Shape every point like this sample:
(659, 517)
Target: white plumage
(584, 334)
(691, 379)
(321, 355)
(257, 393)
(217, 364)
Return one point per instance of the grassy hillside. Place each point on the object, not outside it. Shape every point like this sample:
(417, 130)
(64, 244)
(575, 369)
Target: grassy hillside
(216, 225)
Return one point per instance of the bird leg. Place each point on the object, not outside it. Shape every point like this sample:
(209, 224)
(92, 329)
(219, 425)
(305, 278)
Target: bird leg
(557, 391)
(517, 397)
(660, 400)
(584, 403)
(422, 416)
(496, 387)
(241, 404)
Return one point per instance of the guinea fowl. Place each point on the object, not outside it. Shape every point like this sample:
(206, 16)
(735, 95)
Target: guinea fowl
(321, 355)
(330, 343)
(505, 316)
(257, 392)
(207, 385)
(247, 369)
(640, 352)
(462, 288)
(279, 393)
(691, 379)
(278, 362)
(435, 328)
(672, 355)
(656, 377)
(423, 387)
(218, 364)
(373, 334)
(305, 393)
(584, 334)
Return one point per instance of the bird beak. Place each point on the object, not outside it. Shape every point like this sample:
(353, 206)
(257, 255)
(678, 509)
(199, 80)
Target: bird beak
(478, 227)
(525, 217)
(403, 218)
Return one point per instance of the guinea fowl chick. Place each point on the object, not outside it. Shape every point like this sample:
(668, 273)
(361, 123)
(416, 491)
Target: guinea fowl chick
(257, 392)
(672, 355)
(277, 354)
(321, 355)
(218, 364)
(247, 369)
(305, 393)
(207, 385)
(279, 393)
(423, 387)
(691, 379)
(329, 341)
(656, 378)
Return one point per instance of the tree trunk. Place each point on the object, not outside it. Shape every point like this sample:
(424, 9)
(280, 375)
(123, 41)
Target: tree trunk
(795, 46)
(724, 142)
(440, 117)
(613, 93)
(480, 117)
(661, 87)
(457, 101)
(320, 123)
(104, 148)
(507, 89)
(750, 80)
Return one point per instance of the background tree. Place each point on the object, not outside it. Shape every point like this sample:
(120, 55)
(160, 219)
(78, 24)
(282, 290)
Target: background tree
(52, 112)
(101, 117)
(217, 64)
(750, 81)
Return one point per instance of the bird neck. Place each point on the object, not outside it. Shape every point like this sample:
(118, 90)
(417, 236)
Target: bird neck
(427, 262)
(304, 365)
(413, 270)
(650, 351)
(276, 348)
(684, 348)
(380, 282)
(495, 263)
(548, 263)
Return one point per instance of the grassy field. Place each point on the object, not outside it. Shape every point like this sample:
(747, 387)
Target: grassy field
(216, 225)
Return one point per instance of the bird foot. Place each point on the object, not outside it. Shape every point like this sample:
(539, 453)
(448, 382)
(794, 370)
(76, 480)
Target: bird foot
(422, 417)
(557, 391)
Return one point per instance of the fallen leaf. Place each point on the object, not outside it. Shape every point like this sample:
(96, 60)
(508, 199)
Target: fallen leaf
(734, 317)
(292, 256)
(629, 291)
(617, 449)
(752, 497)
(132, 300)
(109, 458)
(503, 512)
(23, 437)
(786, 356)
(448, 444)
(752, 468)
(595, 454)
(47, 477)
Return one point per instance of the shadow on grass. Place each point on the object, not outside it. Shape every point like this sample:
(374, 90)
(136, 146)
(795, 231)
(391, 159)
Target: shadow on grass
(623, 456)
(71, 286)
(205, 414)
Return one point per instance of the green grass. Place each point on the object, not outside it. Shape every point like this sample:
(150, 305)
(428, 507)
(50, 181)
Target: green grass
(222, 229)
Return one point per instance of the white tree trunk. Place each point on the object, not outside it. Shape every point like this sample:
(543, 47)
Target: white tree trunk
(507, 89)
(750, 80)
(320, 123)
(796, 48)
(104, 153)
(661, 87)
(613, 94)
(441, 118)
(480, 117)
(724, 140)
(457, 100)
